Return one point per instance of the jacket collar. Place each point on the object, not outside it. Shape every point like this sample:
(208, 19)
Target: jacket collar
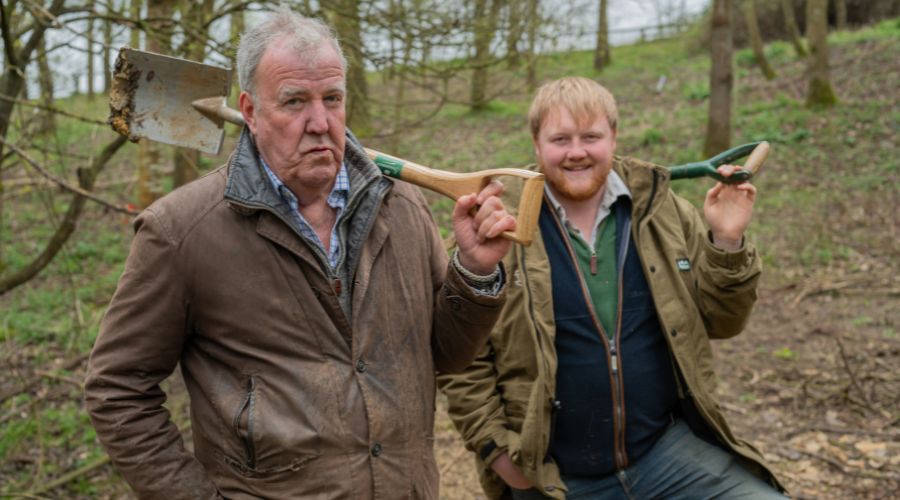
(646, 181)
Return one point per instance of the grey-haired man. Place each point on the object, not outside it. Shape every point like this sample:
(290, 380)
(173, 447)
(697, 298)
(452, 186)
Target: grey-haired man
(308, 300)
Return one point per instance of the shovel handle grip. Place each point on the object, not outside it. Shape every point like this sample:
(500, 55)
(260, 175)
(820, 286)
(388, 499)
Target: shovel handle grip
(454, 185)
(758, 152)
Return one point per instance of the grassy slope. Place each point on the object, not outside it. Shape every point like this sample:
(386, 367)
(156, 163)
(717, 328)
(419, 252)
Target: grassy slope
(827, 206)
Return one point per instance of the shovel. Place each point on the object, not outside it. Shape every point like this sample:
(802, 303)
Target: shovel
(183, 103)
(758, 152)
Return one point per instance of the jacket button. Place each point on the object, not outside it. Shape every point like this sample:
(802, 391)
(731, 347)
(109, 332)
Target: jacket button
(674, 332)
(360, 366)
(652, 269)
(376, 450)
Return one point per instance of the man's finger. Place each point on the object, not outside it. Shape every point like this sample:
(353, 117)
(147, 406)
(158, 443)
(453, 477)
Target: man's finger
(493, 188)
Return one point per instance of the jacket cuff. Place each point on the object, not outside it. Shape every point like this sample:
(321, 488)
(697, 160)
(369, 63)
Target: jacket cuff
(738, 259)
(458, 284)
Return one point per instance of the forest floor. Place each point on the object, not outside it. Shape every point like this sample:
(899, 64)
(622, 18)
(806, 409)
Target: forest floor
(813, 382)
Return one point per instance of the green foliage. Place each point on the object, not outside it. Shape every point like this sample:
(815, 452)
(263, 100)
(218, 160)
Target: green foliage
(696, 91)
(652, 136)
(784, 353)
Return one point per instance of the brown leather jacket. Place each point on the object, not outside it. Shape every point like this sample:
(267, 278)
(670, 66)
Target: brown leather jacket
(303, 382)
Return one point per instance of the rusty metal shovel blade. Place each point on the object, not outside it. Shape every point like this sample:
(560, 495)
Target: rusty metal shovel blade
(152, 96)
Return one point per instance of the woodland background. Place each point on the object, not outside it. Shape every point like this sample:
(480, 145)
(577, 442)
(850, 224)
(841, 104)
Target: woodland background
(814, 379)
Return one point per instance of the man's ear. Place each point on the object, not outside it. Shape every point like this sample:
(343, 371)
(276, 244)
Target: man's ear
(245, 102)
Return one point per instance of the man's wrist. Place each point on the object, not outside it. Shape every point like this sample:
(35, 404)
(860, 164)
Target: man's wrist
(477, 280)
(727, 243)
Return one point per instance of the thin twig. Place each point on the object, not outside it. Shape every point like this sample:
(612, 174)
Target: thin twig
(23, 102)
(853, 381)
(64, 184)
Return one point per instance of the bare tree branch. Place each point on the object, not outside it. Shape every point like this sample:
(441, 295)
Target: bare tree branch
(65, 185)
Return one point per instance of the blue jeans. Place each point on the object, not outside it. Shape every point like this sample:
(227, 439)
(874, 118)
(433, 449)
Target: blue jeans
(679, 466)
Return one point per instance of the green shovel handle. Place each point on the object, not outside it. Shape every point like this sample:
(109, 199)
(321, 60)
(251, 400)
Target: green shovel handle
(708, 167)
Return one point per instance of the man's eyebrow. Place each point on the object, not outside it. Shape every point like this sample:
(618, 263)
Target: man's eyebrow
(291, 92)
(298, 91)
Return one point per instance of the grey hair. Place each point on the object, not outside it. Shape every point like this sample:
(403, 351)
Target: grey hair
(304, 34)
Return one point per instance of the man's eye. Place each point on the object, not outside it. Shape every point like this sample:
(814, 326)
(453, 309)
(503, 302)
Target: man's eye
(293, 101)
(334, 98)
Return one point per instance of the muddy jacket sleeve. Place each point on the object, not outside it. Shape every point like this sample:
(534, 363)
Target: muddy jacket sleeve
(139, 345)
(727, 282)
(463, 318)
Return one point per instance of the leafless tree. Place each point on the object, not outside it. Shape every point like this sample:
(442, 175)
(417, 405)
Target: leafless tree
(601, 52)
(756, 39)
(790, 22)
(819, 92)
(721, 79)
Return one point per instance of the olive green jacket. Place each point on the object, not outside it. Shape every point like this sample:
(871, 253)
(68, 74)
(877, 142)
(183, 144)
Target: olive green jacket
(505, 396)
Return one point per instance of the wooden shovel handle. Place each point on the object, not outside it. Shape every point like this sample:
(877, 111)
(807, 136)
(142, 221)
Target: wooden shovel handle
(755, 162)
(454, 185)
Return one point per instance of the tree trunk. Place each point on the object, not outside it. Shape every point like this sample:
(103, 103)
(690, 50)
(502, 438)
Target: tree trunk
(820, 92)
(721, 79)
(790, 22)
(402, 70)
(484, 25)
(840, 8)
(756, 39)
(345, 19)
(150, 158)
(514, 34)
(186, 161)
(107, 44)
(45, 81)
(533, 24)
(135, 33)
(601, 52)
(90, 50)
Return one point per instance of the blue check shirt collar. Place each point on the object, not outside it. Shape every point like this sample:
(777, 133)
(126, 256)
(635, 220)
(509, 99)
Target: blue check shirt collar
(337, 199)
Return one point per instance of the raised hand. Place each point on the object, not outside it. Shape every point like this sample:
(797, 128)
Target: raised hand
(728, 209)
(478, 221)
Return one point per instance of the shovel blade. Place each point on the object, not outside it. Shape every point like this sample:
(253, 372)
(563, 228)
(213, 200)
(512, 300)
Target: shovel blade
(152, 98)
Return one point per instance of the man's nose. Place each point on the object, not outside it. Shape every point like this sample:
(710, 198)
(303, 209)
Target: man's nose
(576, 151)
(317, 120)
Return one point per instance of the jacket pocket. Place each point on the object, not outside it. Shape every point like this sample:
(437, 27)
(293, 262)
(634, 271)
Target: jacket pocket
(264, 454)
(242, 423)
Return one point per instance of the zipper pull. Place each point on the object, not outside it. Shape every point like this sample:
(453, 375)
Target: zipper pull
(614, 359)
(593, 263)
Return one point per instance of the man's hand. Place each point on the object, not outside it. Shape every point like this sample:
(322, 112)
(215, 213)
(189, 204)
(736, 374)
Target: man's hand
(728, 208)
(478, 236)
(509, 473)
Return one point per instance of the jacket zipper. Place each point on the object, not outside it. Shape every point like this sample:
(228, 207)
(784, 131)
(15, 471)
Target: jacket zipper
(247, 406)
(616, 386)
